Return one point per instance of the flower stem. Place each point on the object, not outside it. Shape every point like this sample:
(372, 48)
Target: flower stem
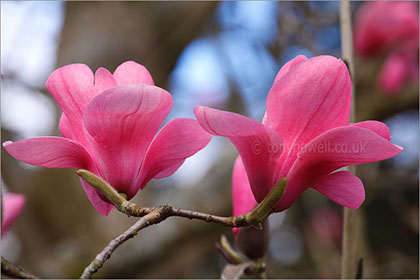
(265, 207)
(229, 250)
(349, 252)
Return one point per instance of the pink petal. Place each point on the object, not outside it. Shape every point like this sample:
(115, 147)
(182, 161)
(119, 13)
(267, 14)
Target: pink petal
(103, 80)
(51, 152)
(132, 73)
(311, 98)
(378, 127)
(286, 68)
(258, 145)
(336, 148)
(394, 74)
(57, 152)
(121, 123)
(369, 37)
(65, 127)
(289, 65)
(176, 141)
(12, 207)
(343, 188)
(242, 196)
(73, 87)
(100, 205)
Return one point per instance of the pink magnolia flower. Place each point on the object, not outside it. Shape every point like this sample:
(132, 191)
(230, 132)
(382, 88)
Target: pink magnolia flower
(393, 27)
(398, 69)
(109, 124)
(305, 136)
(12, 207)
(381, 25)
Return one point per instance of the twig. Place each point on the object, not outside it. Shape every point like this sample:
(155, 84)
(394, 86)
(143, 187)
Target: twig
(155, 215)
(348, 261)
(10, 270)
(257, 215)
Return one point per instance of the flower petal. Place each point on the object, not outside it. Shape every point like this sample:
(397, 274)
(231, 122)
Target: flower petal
(58, 152)
(12, 206)
(51, 152)
(242, 197)
(65, 127)
(289, 65)
(311, 98)
(73, 87)
(132, 73)
(98, 203)
(286, 68)
(336, 148)
(378, 127)
(343, 188)
(394, 74)
(176, 141)
(122, 122)
(258, 145)
(103, 80)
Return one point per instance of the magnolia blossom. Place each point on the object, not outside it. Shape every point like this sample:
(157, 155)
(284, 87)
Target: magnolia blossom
(382, 25)
(109, 126)
(398, 69)
(305, 136)
(391, 27)
(12, 207)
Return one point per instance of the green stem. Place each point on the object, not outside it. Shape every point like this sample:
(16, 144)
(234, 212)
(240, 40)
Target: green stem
(265, 207)
(228, 249)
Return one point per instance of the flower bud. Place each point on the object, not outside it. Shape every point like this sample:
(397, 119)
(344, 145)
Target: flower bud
(253, 241)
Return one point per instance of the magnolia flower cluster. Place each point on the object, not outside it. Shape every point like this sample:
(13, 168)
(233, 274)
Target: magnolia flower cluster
(110, 126)
(390, 27)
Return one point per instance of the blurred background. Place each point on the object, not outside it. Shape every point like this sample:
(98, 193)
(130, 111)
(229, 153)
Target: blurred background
(220, 54)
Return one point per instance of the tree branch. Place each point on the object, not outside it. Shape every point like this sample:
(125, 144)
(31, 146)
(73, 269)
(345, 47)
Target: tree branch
(156, 216)
(257, 215)
(150, 216)
(10, 270)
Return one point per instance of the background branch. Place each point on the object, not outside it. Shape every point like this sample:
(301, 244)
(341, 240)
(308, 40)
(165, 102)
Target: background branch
(10, 270)
(154, 217)
(348, 260)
